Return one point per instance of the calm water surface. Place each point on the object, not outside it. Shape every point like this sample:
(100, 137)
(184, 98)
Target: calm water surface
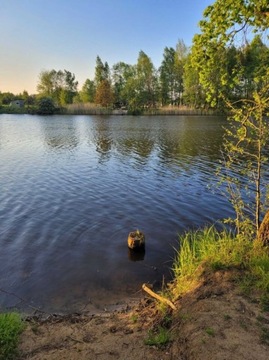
(73, 187)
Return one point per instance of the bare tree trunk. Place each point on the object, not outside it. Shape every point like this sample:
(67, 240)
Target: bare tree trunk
(263, 233)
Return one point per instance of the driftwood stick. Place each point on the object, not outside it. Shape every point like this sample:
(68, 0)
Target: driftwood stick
(158, 297)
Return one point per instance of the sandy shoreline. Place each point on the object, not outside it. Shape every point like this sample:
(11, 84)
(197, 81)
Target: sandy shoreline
(214, 321)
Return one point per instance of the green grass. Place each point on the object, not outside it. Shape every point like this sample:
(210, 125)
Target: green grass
(134, 318)
(211, 249)
(159, 339)
(210, 331)
(11, 327)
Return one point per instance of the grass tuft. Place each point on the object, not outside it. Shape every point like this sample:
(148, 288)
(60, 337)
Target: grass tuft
(160, 338)
(210, 331)
(11, 327)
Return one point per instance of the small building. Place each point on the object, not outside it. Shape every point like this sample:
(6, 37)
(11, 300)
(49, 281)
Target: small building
(17, 103)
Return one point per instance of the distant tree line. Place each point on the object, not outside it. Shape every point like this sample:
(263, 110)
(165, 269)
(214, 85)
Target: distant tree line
(185, 77)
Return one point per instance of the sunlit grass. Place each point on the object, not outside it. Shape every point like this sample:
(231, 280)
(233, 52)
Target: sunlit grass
(217, 250)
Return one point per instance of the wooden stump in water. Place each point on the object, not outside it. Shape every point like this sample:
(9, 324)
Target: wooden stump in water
(136, 240)
(263, 233)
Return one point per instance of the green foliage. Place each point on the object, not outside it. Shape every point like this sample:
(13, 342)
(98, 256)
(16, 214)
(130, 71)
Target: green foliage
(11, 327)
(121, 74)
(87, 93)
(171, 74)
(246, 144)
(45, 106)
(102, 71)
(59, 85)
(225, 70)
(238, 77)
(141, 89)
(6, 109)
(159, 338)
(6, 98)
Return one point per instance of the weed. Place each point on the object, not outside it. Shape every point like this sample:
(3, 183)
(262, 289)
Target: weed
(210, 331)
(162, 306)
(160, 339)
(11, 327)
(134, 318)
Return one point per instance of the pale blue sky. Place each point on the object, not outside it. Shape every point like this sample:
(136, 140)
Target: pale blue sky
(41, 35)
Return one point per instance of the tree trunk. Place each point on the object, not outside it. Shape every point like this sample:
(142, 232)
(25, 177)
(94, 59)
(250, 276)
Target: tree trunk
(263, 233)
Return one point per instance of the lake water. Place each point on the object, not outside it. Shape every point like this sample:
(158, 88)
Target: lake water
(73, 187)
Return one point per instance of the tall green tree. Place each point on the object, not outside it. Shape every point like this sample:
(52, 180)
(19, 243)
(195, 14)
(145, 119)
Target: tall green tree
(147, 80)
(193, 92)
(60, 86)
(254, 61)
(121, 73)
(232, 19)
(87, 93)
(167, 76)
(69, 88)
(247, 137)
(142, 88)
(102, 71)
(104, 93)
(182, 52)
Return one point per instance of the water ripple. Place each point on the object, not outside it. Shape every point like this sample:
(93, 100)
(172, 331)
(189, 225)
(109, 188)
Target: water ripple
(72, 189)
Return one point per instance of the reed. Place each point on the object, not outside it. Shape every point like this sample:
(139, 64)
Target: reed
(86, 109)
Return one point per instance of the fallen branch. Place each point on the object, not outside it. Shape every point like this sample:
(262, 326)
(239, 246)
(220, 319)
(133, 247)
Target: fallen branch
(158, 297)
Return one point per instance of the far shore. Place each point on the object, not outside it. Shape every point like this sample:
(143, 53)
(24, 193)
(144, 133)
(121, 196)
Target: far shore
(90, 109)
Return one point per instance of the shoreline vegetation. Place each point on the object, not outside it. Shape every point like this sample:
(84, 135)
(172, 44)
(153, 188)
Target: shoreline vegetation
(220, 290)
(92, 109)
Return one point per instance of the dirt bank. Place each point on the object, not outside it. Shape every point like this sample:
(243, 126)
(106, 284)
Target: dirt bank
(214, 321)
